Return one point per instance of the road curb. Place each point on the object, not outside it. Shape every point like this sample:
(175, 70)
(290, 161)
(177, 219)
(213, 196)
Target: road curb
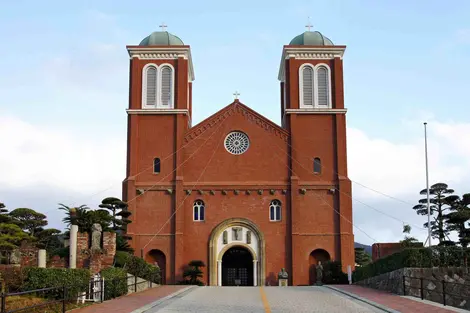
(372, 303)
(159, 301)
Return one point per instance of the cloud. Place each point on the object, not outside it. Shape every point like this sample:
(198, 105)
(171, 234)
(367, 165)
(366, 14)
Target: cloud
(48, 165)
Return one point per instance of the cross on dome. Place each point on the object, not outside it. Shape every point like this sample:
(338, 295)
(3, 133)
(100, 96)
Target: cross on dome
(163, 27)
(236, 94)
(309, 25)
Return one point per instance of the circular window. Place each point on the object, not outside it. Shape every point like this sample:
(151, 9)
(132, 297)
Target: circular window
(237, 142)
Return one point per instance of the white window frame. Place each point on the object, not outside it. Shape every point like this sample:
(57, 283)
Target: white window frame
(144, 86)
(328, 70)
(315, 86)
(158, 104)
(276, 218)
(159, 89)
(301, 86)
(198, 208)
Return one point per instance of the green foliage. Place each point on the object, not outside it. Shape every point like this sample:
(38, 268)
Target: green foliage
(137, 266)
(76, 280)
(11, 236)
(119, 213)
(440, 196)
(84, 217)
(192, 273)
(408, 241)
(333, 273)
(48, 239)
(414, 257)
(4, 217)
(116, 282)
(459, 217)
(122, 244)
(362, 257)
(13, 278)
(28, 219)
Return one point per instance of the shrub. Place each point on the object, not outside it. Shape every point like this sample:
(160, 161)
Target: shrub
(333, 274)
(137, 266)
(76, 280)
(192, 273)
(115, 282)
(13, 278)
(413, 257)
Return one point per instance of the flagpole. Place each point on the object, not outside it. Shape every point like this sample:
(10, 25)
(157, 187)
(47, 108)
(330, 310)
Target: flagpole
(427, 183)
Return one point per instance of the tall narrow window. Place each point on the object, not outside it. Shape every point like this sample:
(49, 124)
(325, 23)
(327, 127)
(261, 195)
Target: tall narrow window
(317, 166)
(151, 86)
(166, 91)
(323, 87)
(275, 210)
(307, 86)
(156, 165)
(198, 210)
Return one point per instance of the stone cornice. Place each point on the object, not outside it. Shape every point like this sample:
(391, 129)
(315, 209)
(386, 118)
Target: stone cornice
(157, 111)
(316, 111)
(236, 107)
(309, 53)
(163, 53)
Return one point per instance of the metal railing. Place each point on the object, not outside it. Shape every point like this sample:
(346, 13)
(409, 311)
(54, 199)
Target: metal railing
(60, 299)
(441, 290)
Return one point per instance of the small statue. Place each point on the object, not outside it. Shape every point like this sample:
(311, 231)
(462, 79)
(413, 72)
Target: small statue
(248, 237)
(237, 233)
(225, 237)
(96, 237)
(282, 274)
(319, 269)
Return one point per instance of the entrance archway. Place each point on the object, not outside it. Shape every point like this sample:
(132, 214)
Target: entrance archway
(237, 267)
(316, 256)
(157, 257)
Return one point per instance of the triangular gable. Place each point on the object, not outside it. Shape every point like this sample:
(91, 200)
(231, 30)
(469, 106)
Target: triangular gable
(236, 107)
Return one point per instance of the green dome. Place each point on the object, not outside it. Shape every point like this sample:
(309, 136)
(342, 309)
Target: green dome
(311, 39)
(161, 39)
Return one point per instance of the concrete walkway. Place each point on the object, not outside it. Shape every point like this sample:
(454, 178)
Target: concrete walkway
(394, 302)
(135, 302)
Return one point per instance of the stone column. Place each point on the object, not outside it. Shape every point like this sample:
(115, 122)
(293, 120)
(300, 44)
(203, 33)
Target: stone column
(219, 272)
(73, 246)
(42, 258)
(255, 273)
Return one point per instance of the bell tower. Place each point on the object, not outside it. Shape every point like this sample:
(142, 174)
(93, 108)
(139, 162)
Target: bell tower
(312, 110)
(159, 113)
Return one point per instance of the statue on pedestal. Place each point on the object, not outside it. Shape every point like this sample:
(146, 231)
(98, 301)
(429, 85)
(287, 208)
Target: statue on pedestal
(96, 237)
(319, 269)
(282, 277)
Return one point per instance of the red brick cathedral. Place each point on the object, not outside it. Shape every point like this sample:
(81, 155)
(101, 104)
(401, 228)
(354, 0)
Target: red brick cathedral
(237, 191)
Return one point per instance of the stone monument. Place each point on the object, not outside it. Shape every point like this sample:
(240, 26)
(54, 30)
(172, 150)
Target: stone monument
(319, 269)
(96, 237)
(282, 277)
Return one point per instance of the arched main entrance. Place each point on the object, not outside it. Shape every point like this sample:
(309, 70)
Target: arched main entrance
(237, 267)
(247, 241)
(316, 256)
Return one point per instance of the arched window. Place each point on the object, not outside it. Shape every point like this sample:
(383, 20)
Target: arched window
(156, 165)
(323, 86)
(150, 86)
(317, 166)
(198, 210)
(167, 86)
(307, 84)
(275, 210)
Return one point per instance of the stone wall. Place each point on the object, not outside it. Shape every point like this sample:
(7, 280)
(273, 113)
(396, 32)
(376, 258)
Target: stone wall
(456, 283)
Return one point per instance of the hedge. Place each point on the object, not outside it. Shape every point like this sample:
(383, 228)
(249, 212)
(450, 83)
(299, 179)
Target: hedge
(413, 257)
(76, 280)
(138, 267)
(115, 280)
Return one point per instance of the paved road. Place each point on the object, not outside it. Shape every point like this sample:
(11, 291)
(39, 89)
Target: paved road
(263, 300)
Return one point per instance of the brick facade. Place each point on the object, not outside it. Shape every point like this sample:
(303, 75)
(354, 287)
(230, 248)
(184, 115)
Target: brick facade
(316, 208)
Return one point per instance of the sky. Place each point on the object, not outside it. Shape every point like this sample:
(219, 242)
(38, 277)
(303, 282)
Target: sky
(64, 91)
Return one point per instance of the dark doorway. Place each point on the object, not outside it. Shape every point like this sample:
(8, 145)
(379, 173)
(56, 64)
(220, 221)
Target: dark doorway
(157, 258)
(237, 267)
(316, 256)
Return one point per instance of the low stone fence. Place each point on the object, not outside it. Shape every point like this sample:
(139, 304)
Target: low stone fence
(137, 283)
(451, 285)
